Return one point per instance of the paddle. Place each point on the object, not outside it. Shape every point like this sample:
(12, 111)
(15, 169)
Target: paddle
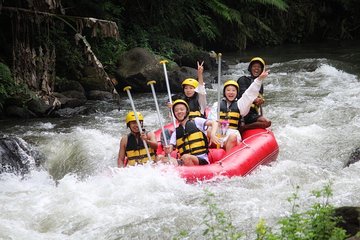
(127, 89)
(151, 84)
(163, 62)
(219, 84)
(223, 124)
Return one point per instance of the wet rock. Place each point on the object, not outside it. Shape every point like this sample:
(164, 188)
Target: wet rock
(17, 156)
(19, 112)
(354, 157)
(67, 85)
(351, 219)
(70, 112)
(74, 94)
(38, 107)
(136, 67)
(70, 102)
(209, 58)
(100, 95)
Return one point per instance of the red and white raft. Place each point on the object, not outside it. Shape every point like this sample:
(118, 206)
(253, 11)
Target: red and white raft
(259, 146)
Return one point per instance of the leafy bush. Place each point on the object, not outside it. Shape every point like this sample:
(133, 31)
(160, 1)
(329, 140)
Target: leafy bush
(218, 223)
(7, 84)
(20, 93)
(108, 51)
(317, 223)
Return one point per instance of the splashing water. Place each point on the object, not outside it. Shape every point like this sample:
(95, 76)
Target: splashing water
(312, 102)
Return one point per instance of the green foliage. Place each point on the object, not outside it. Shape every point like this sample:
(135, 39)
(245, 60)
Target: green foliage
(108, 50)
(10, 89)
(317, 223)
(7, 84)
(218, 223)
(169, 27)
(69, 56)
(138, 37)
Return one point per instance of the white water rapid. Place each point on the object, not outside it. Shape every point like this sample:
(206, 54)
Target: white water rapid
(314, 107)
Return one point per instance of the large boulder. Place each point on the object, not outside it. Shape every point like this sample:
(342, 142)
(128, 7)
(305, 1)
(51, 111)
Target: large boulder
(19, 112)
(16, 156)
(137, 66)
(63, 85)
(100, 95)
(209, 58)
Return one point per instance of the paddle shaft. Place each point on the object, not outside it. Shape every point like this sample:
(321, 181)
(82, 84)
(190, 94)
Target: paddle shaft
(158, 112)
(127, 89)
(168, 90)
(219, 85)
(218, 97)
(151, 83)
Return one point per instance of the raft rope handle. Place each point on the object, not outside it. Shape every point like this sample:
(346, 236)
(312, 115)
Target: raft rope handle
(246, 145)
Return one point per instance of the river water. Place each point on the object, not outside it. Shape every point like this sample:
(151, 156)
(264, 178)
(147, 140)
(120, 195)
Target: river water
(312, 98)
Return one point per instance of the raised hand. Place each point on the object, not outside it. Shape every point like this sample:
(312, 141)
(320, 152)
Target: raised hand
(200, 72)
(200, 67)
(264, 74)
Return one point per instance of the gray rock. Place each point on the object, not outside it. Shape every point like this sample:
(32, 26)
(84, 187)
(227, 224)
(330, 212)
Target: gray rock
(351, 219)
(19, 112)
(100, 95)
(354, 157)
(138, 66)
(38, 107)
(16, 156)
(69, 112)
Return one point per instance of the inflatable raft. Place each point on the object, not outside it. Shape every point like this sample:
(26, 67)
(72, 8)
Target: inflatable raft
(259, 146)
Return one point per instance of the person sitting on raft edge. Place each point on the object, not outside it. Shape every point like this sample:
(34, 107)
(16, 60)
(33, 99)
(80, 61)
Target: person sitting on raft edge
(255, 118)
(132, 150)
(189, 137)
(232, 109)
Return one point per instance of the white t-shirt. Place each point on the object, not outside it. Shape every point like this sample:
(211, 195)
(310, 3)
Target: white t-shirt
(200, 89)
(200, 124)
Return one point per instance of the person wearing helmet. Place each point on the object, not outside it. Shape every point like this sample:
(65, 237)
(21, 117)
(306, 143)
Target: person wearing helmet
(195, 94)
(132, 150)
(189, 137)
(233, 109)
(254, 119)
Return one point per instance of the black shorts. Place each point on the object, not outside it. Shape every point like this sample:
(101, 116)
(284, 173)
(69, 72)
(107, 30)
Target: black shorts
(202, 161)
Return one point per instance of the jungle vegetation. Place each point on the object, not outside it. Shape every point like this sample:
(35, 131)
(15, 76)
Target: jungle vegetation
(40, 36)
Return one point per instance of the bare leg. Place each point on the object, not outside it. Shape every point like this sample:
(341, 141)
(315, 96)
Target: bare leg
(166, 159)
(261, 122)
(190, 160)
(230, 142)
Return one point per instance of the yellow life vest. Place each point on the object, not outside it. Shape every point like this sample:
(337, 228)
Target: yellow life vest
(136, 152)
(194, 106)
(191, 140)
(231, 113)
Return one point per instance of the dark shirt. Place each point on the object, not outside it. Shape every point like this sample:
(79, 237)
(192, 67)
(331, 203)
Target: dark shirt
(244, 83)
